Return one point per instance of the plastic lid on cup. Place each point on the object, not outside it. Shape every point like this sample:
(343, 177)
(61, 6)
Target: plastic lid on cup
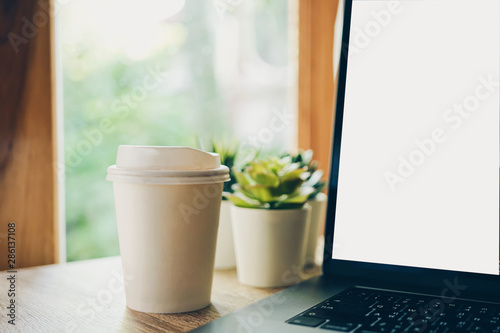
(167, 166)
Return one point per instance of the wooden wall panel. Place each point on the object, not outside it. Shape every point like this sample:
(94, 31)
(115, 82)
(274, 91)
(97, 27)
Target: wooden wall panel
(27, 133)
(316, 77)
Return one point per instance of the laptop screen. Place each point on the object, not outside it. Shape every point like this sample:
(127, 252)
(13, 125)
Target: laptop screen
(418, 177)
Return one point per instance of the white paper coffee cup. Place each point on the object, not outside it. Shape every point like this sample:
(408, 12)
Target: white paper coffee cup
(167, 207)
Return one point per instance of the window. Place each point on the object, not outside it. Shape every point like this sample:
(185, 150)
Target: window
(167, 73)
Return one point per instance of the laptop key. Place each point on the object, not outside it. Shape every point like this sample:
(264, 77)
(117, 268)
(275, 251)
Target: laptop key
(358, 301)
(307, 321)
(340, 325)
(385, 325)
(415, 329)
(334, 314)
(344, 308)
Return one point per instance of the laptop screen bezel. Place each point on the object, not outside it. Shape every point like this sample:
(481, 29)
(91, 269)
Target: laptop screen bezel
(477, 284)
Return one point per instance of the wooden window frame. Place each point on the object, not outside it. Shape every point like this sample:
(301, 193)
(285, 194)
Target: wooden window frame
(28, 157)
(316, 81)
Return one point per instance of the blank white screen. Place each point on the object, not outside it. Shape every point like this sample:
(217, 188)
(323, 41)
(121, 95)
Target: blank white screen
(418, 71)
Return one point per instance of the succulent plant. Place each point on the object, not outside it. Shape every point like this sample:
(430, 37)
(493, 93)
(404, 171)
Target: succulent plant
(271, 183)
(227, 152)
(305, 159)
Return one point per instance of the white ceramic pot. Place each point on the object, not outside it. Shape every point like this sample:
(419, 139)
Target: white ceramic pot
(269, 245)
(224, 253)
(318, 217)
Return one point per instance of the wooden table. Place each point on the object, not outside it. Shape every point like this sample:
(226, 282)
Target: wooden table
(89, 296)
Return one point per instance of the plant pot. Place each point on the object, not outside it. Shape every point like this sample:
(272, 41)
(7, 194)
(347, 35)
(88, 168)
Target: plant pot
(224, 253)
(270, 245)
(318, 217)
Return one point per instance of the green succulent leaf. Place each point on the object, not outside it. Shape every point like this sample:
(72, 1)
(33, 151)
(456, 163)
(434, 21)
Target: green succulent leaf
(284, 161)
(262, 176)
(242, 189)
(260, 192)
(288, 169)
(242, 178)
(301, 174)
(313, 166)
(307, 156)
(289, 186)
(315, 178)
(301, 196)
(319, 188)
(267, 179)
(241, 200)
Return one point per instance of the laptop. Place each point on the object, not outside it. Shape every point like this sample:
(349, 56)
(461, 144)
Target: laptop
(412, 241)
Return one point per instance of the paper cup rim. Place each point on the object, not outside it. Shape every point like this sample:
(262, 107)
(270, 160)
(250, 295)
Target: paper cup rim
(168, 177)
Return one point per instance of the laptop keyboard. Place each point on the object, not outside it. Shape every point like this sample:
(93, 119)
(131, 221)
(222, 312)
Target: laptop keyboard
(364, 310)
